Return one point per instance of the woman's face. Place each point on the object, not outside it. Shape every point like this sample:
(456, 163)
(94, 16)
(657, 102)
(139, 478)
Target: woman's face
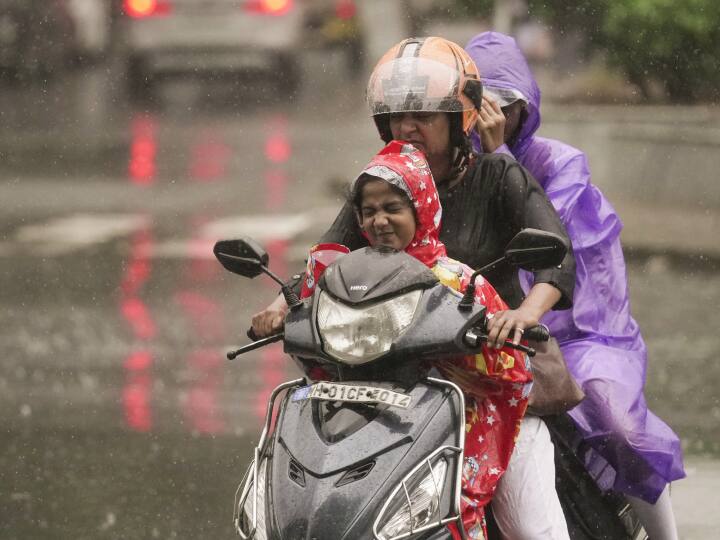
(386, 216)
(428, 132)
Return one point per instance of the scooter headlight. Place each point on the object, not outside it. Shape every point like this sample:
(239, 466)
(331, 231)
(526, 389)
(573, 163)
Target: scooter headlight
(356, 335)
(416, 504)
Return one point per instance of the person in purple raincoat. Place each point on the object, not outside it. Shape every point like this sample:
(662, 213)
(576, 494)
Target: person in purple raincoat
(634, 452)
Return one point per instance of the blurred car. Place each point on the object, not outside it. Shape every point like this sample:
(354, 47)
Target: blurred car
(92, 20)
(211, 37)
(335, 24)
(37, 38)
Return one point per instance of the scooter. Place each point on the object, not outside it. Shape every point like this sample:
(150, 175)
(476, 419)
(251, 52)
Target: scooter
(375, 448)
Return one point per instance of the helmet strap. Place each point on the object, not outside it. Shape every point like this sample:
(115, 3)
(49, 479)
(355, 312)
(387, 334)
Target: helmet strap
(382, 122)
(458, 168)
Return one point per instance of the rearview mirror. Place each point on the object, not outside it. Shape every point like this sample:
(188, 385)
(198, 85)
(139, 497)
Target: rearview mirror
(533, 250)
(242, 256)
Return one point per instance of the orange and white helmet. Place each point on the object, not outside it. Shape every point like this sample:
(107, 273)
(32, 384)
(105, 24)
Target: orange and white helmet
(429, 74)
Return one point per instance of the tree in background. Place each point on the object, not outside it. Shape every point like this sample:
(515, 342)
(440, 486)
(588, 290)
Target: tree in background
(566, 17)
(474, 7)
(677, 43)
(667, 41)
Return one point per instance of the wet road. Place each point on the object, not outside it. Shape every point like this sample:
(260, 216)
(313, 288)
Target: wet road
(119, 416)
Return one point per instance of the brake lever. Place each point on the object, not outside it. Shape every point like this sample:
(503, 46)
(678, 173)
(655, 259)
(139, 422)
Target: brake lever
(255, 345)
(473, 339)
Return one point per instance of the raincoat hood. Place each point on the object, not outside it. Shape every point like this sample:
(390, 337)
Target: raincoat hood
(405, 167)
(502, 65)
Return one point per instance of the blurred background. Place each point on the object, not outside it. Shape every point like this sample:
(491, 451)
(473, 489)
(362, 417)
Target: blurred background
(135, 133)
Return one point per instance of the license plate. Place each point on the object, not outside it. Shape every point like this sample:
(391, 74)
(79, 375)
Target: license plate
(355, 394)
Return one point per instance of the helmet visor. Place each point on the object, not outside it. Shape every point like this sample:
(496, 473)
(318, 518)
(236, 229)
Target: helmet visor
(504, 96)
(415, 84)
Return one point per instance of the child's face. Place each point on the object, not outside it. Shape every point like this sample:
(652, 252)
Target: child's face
(386, 216)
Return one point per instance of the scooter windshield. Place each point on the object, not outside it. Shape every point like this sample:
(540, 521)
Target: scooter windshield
(371, 274)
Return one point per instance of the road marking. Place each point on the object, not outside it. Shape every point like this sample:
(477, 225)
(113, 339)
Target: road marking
(75, 232)
(78, 231)
(262, 227)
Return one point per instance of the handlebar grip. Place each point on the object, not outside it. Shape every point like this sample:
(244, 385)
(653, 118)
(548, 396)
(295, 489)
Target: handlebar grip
(537, 333)
(252, 335)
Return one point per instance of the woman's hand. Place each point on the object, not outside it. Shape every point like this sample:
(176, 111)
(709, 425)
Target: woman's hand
(500, 325)
(491, 125)
(509, 324)
(270, 320)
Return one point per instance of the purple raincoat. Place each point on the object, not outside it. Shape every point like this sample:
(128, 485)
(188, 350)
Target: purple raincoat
(638, 453)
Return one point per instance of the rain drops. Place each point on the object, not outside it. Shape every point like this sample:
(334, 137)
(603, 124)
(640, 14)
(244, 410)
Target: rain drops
(25, 410)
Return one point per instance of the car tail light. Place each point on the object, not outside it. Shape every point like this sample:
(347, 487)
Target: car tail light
(269, 7)
(147, 8)
(345, 9)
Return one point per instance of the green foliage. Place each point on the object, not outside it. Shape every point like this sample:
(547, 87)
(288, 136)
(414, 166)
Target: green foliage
(461, 9)
(677, 43)
(674, 42)
(564, 16)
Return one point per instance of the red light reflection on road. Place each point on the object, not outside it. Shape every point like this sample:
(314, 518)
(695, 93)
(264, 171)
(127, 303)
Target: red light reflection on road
(137, 391)
(277, 147)
(201, 406)
(209, 158)
(276, 182)
(278, 152)
(138, 267)
(205, 316)
(137, 315)
(143, 149)
(207, 324)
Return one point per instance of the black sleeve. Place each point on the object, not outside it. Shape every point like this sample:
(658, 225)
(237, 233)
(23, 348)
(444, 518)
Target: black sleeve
(526, 206)
(345, 230)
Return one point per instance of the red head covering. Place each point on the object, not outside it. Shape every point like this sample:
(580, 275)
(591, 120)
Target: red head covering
(405, 167)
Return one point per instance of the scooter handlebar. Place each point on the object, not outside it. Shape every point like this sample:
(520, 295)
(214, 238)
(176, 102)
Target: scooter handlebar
(255, 345)
(475, 336)
(537, 333)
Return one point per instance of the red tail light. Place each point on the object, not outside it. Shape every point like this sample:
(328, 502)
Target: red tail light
(269, 7)
(146, 8)
(345, 9)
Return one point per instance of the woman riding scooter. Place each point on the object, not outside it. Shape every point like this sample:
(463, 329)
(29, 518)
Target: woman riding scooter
(427, 91)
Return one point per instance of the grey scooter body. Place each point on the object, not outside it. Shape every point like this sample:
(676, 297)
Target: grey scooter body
(334, 468)
(331, 468)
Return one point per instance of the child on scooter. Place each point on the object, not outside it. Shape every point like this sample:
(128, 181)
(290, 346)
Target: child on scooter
(397, 206)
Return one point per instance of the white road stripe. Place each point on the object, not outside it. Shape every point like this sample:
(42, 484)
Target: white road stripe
(81, 231)
(260, 227)
(78, 231)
